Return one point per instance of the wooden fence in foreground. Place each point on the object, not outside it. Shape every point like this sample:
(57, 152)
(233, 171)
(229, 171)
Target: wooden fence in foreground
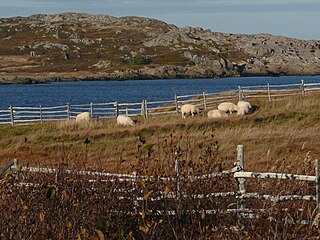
(205, 101)
(238, 173)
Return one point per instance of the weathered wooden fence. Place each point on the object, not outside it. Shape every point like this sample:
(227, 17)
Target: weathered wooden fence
(25, 115)
(238, 173)
(205, 101)
(279, 91)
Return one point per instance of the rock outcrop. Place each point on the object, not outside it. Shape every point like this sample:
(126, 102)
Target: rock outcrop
(83, 46)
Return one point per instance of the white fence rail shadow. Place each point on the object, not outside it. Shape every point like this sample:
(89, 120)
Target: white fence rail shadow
(205, 101)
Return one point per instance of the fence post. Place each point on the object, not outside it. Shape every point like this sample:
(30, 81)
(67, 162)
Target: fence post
(269, 93)
(241, 95)
(317, 184)
(40, 111)
(204, 101)
(176, 167)
(68, 111)
(15, 163)
(176, 102)
(241, 181)
(11, 115)
(302, 88)
(142, 109)
(145, 108)
(117, 108)
(15, 169)
(135, 193)
(91, 110)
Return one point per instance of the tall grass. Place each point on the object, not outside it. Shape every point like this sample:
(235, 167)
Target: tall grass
(285, 130)
(279, 137)
(64, 206)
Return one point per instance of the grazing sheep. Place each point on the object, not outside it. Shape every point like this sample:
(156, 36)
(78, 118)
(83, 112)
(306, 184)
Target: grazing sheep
(125, 121)
(216, 114)
(228, 107)
(244, 107)
(189, 109)
(83, 117)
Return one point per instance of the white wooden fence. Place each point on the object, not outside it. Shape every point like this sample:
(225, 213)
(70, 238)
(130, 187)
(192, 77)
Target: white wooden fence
(279, 91)
(238, 173)
(205, 101)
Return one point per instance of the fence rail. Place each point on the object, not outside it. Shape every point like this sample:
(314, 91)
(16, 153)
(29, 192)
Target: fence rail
(238, 173)
(25, 115)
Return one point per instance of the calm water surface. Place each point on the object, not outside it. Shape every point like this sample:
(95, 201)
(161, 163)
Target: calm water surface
(60, 93)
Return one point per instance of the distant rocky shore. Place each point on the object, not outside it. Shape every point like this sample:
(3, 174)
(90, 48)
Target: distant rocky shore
(72, 46)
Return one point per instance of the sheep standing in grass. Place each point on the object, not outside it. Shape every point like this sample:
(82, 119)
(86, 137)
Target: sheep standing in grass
(215, 113)
(228, 107)
(189, 109)
(83, 117)
(125, 121)
(244, 107)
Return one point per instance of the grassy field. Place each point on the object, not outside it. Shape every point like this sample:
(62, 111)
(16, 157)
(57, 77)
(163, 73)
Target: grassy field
(278, 136)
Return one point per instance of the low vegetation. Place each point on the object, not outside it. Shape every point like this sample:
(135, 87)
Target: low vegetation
(69, 46)
(279, 136)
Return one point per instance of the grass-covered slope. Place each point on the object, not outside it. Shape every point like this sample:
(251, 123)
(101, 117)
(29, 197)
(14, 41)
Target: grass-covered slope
(279, 136)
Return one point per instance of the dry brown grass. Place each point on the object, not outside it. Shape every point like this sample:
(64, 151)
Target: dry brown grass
(279, 136)
(14, 63)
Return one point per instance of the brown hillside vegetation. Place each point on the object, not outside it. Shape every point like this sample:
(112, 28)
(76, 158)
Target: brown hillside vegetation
(71, 46)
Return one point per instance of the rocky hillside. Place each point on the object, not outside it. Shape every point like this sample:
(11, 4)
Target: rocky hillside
(82, 46)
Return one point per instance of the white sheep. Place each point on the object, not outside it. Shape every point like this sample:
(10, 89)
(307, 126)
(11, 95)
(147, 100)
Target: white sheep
(228, 107)
(83, 117)
(125, 121)
(215, 113)
(244, 107)
(189, 109)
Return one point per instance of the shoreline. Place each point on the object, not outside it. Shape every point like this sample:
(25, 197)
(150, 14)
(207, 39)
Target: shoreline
(60, 78)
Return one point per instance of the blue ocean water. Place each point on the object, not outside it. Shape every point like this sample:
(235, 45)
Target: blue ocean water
(84, 92)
